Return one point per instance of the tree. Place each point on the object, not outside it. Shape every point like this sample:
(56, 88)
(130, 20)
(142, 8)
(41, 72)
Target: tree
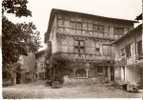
(17, 39)
(17, 7)
(30, 36)
(59, 68)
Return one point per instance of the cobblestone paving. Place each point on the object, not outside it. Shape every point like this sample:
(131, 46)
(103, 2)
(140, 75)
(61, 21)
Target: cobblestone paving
(82, 88)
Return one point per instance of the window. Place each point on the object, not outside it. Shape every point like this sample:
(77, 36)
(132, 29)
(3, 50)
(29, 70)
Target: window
(118, 31)
(128, 51)
(84, 26)
(72, 24)
(81, 73)
(77, 26)
(79, 46)
(60, 22)
(97, 48)
(99, 69)
(107, 50)
(122, 52)
(139, 49)
(60, 16)
(60, 29)
(98, 28)
(90, 27)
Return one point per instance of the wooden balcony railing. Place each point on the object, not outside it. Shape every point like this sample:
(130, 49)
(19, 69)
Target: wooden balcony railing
(89, 57)
(92, 34)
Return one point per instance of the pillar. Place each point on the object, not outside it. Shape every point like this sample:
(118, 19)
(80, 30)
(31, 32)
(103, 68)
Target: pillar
(22, 78)
(109, 73)
(74, 72)
(87, 72)
(87, 69)
(14, 78)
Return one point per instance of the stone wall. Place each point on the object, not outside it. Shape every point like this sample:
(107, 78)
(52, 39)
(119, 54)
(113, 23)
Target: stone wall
(28, 71)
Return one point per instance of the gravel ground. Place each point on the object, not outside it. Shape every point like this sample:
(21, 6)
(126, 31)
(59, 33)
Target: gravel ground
(82, 88)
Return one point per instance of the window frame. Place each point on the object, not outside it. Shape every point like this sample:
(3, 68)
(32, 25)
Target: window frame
(128, 50)
(139, 49)
(119, 32)
(98, 28)
(78, 47)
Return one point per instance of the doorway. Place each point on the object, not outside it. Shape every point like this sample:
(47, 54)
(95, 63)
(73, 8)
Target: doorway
(18, 78)
(112, 73)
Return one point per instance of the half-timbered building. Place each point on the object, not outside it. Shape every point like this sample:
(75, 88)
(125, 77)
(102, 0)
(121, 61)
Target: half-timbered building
(85, 39)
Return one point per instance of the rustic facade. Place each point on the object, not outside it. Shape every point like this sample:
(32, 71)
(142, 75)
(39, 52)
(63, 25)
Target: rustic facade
(85, 39)
(25, 72)
(129, 57)
(40, 65)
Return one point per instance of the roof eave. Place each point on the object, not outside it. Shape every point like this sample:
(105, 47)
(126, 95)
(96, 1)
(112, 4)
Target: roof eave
(139, 17)
(124, 36)
(54, 10)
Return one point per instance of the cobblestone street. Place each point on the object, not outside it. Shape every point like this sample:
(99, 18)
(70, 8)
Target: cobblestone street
(83, 88)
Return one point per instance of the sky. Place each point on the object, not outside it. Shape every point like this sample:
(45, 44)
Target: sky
(125, 9)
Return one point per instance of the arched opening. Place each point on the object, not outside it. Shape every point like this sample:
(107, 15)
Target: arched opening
(81, 73)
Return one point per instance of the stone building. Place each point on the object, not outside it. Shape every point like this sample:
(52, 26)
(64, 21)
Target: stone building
(129, 57)
(40, 65)
(25, 72)
(85, 39)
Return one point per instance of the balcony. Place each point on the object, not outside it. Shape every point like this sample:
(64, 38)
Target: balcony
(84, 57)
(84, 33)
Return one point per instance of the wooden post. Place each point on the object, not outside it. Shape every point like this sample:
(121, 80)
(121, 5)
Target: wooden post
(74, 74)
(87, 70)
(109, 73)
(14, 79)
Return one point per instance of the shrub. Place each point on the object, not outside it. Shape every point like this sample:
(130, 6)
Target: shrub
(58, 70)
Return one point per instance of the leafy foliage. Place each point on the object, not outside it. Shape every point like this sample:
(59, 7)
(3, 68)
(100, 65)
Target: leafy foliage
(17, 7)
(30, 36)
(59, 69)
(17, 39)
(11, 42)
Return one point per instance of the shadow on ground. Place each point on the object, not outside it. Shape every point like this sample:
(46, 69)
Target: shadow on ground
(72, 88)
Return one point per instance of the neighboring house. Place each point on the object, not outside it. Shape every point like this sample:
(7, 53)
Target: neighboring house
(85, 39)
(129, 57)
(26, 71)
(41, 65)
(139, 17)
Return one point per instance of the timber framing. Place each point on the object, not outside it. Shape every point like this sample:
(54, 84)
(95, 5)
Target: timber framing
(90, 16)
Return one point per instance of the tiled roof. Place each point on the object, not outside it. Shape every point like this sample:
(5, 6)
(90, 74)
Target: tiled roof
(131, 32)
